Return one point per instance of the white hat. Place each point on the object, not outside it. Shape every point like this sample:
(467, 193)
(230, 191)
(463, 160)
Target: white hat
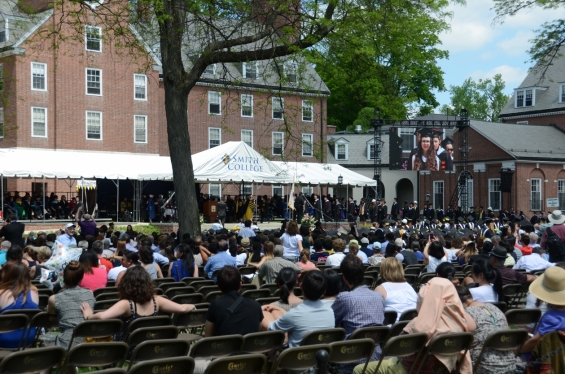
(377, 245)
(373, 201)
(365, 241)
(69, 225)
(415, 202)
(405, 221)
(489, 208)
(556, 217)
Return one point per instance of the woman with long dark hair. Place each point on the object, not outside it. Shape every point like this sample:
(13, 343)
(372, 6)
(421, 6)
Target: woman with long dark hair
(148, 262)
(425, 157)
(292, 242)
(94, 276)
(286, 281)
(488, 282)
(184, 266)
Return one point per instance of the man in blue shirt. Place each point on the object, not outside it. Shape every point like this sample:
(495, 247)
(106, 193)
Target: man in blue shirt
(219, 259)
(247, 232)
(67, 238)
(4, 246)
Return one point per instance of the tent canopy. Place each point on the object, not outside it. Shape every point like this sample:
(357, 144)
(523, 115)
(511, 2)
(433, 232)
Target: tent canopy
(229, 162)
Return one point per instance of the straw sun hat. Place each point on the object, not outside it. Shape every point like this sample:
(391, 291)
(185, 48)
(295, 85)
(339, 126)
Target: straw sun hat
(550, 286)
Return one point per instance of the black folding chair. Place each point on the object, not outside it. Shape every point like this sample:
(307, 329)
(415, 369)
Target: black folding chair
(522, 317)
(351, 351)
(33, 360)
(408, 315)
(96, 329)
(243, 364)
(502, 340)
(174, 365)
(379, 334)
(448, 345)
(390, 317)
(299, 358)
(262, 342)
(324, 336)
(97, 354)
(159, 349)
(216, 347)
(402, 346)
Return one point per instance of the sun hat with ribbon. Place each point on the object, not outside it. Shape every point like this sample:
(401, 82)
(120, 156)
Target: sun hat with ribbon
(550, 286)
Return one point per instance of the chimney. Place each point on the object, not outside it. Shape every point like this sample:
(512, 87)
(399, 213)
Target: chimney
(286, 22)
(358, 129)
(34, 6)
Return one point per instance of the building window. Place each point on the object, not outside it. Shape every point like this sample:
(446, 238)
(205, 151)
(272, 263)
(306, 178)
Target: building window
(307, 145)
(4, 31)
(1, 122)
(140, 129)
(341, 151)
(251, 70)
(214, 137)
(247, 137)
(214, 102)
(247, 105)
(307, 110)
(494, 195)
(278, 143)
(1, 77)
(94, 125)
(522, 122)
(278, 108)
(215, 190)
(38, 76)
(94, 82)
(525, 98)
(371, 150)
(278, 191)
(291, 71)
(535, 191)
(408, 139)
(140, 87)
(39, 122)
(562, 93)
(438, 194)
(93, 36)
(561, 193)
(470, 194)
(247, 190)
(210, 69)
(307, 190)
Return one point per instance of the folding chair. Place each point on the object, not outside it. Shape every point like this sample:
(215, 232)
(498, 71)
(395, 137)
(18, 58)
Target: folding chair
(43, 301)
(272, 287)
(33, 360)
(213, 296)
(96, 329)
(175, 291)
(159, 349)
(110, 283)
(192, 322)
(143, 322)
(368, 281)
(448, 345)
(175, 365)
(104, 305)
(167, 285)
(247, 270)
(299, 358)
(198, 284)
(408, 315)
(256, 294)
(159, 281)
(402, 346)
(411, 279)
(390, 317)
(324, 336)
(30, 313)
(500, 305)
(109, 371)
(107, 296)
(412, 271)
(423, 279)
(267, 300)
(324, 267)
(202, 305)
(379, 334)
(152, 333)
(502, 340)
(397, 329)
(189, 280)
(216, 347)
(97, 354)
(523, 317)
(40, 321)
(106, 289)
(512, 294)
(205, 290)
(45, 291)
(351, 351)
(247, 287)
(191, 298)
(12, 322)
(243, 364)
(262, 342)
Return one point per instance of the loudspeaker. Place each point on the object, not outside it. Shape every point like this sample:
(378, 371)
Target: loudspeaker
(506, 182)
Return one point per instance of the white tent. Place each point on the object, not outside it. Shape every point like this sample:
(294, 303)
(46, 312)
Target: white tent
(323, 174)
(229, 162)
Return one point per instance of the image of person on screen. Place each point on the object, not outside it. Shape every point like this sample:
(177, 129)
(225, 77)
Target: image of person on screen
(447, 144)
(425, 157)
(414, 150)
(444, 158)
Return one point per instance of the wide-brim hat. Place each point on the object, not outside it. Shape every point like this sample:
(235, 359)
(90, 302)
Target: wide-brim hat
(550, 286)
(556, 217)
(499, 252)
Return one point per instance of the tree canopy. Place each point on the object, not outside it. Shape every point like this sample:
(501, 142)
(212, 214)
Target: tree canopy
(483, 99)
(385, 56)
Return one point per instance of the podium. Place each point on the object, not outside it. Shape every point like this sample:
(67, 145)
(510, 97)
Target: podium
(210, 211)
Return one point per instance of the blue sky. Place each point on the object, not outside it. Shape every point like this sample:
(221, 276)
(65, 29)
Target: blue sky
(479, 49)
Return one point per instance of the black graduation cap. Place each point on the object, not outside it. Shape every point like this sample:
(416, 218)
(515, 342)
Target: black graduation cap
(446, 141)
(423, 131)
(488, 220)
(468, 232)
(525, 222)
(426, 221)
(505, 219)
(460, 219)
(470, 218)
(438, 232)
(480, 222)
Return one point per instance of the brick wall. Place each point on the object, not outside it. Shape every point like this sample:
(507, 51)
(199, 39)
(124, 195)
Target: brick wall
(552, 119)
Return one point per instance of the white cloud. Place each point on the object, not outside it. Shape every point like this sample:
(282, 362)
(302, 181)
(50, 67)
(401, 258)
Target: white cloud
(511, 75)
(466, 36)
(517, 45)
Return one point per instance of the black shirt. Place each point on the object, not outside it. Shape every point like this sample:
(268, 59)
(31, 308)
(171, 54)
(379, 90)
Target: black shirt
(244, 320)
(319, 256)
(409, 257)
(480, 256)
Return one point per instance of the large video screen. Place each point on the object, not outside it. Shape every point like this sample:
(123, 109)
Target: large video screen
(422, 149)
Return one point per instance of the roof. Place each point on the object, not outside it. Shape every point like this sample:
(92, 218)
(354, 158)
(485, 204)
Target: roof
(524, 142)
(357, 148)
(547, 95)
(20, 24)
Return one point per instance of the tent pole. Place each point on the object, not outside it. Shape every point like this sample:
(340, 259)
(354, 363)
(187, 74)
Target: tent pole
(2, 194)
(43, 199)
(117, 200)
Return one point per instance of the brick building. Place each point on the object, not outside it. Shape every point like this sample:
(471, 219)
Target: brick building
(86, 95)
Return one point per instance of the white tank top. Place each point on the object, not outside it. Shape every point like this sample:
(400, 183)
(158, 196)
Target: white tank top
(399, 297)
(484, 294)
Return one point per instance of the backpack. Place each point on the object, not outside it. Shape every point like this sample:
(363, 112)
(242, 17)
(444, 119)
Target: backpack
(555, 246)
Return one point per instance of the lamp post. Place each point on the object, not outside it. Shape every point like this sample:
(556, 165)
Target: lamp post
(339, 182)
(427, 197)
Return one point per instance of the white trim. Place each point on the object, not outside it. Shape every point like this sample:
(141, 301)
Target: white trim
(144, 87)
(219, 95)
(216, 185)
(241, 136)
(45, 110)
(86, 27)
(280, 100)
(146, 46)
(44, 76)
(86, 124)
(311, 102)
(244, 69)
(213, 70)
(241, 100)
(291, 65)
(134, 128)
(311, 141)
(273, 143)
(86, 81)
(434, 184)
(243, 87)
(532, 208)
(561, 93)
(523, 90)
(277, 186)
(490, 203)
(219, 136)
(337, 144)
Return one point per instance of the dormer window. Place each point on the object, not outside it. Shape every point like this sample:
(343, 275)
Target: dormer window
(525, 98)
(3, 31)
(291, 71)
(341, 149)
(251, 70)
(210, 69)
(562, 93)
(371, 149)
